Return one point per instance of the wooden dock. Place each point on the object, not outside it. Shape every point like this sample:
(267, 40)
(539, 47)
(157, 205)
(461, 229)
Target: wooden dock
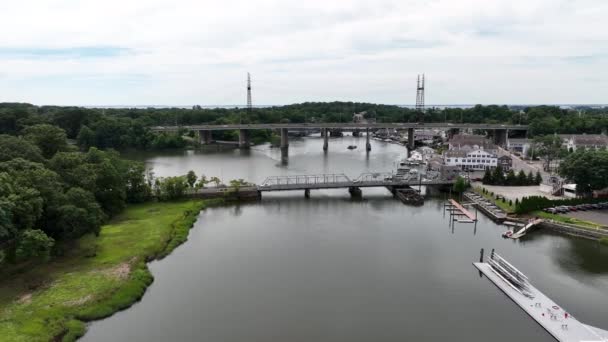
(553, 318)
(462, 210)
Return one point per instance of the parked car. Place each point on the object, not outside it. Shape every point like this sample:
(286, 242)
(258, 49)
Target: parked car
(581, 207)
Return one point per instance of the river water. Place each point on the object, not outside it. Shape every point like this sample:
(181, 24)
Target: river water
(334, 269)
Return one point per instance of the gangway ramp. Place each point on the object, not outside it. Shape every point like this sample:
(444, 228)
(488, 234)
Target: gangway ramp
(526, 228)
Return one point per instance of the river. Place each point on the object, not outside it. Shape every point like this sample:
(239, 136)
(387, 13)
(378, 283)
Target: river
(334, 269)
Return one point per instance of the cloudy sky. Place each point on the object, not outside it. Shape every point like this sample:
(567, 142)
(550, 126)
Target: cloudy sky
(185, 52)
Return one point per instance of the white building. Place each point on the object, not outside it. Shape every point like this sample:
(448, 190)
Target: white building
(521, 146)
(474, 160)
(585, 141)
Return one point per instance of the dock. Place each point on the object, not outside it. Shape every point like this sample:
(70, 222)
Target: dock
(486, 207)
(462, 211)
(554, 319)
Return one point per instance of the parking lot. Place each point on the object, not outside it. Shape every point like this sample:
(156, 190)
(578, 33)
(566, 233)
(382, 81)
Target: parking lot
(515, 192)
(599, 216)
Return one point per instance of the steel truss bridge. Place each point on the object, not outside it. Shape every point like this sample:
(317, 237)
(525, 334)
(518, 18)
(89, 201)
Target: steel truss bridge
(340, 180)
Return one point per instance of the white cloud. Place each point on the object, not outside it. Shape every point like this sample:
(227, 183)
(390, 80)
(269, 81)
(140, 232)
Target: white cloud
(198, 52)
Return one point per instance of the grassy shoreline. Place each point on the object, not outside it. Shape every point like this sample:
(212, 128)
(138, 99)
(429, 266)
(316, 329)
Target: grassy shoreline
(99, 276)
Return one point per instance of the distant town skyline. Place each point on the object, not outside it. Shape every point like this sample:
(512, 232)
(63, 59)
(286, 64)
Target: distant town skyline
(187, 52)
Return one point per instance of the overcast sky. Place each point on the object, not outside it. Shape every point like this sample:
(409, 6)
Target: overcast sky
(185, 52)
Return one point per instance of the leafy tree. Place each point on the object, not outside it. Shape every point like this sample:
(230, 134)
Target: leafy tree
(173, 187)
(549, 147)
(191, 178)
(215, 180)
(202, 182)
(50, 139)
(33, 243)
(85, 138)
(138, 190)
(14, 147)
(460, 185)
(588, 169)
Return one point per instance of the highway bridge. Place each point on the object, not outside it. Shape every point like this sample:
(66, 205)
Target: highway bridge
(500, 130)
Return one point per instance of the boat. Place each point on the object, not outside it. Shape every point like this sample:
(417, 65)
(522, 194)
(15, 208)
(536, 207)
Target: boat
(507, 234)
(351, 147)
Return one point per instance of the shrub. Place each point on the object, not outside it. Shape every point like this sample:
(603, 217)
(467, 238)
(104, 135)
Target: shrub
(604, 241)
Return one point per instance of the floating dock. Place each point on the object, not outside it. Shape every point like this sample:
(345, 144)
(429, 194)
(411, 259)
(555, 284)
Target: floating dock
(525, 229)
(553, 318)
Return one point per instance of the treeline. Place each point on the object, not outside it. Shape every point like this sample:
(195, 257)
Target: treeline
(130, 128)
(50, 191)
(498, 177)
(533, 203)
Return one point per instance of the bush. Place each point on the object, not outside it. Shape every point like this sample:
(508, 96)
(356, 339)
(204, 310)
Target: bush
(604, 241)
(533, 203)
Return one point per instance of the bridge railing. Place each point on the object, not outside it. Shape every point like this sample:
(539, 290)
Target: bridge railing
(306, 179)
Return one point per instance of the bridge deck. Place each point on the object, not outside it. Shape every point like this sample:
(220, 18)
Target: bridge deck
(343, 125)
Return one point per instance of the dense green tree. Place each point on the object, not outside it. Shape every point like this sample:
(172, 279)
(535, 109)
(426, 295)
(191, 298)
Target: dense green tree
(511, 178)
(173, 187)
(498, 176)
(538, 179)
(16, 147)
(191, 178)
(50, 139)
(33, 243)
(521, 178)
(460, 185)
(86, 138)
(588, 169)
(487, 177)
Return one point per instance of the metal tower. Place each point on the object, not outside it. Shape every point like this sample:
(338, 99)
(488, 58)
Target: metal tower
(420, 97)
(249, 105)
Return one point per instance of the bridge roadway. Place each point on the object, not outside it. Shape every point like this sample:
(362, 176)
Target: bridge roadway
(344, 125)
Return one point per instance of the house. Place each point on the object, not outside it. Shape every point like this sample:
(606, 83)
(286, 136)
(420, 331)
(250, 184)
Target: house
(359, 117)
(473, 160)
(469, 142)
(584, 141)
(505, 162)
(521, 146)
(428, 134)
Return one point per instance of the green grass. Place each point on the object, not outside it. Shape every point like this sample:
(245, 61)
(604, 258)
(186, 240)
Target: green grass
(97, 277)
(565, 219)
(509, 209)
(604, 241)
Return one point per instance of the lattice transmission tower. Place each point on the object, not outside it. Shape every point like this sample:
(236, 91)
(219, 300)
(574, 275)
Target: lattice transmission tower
(249, 105)
(420, 97)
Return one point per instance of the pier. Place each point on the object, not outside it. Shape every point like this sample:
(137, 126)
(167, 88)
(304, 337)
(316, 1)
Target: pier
(553, 318)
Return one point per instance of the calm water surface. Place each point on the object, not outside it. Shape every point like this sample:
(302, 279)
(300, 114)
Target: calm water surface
(335, 269)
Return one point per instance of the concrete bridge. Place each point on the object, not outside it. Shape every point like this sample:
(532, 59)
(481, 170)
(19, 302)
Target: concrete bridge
(204, 131)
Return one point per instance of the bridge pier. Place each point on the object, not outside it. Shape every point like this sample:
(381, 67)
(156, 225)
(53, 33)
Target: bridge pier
(325, 135)
(284, 138)
(355, 192)
(205, 137)
(307, 193)
(368, 146)
(244, 138)
(500, 137)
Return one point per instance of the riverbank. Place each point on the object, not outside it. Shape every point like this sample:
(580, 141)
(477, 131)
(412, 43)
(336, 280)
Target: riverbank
(97, 277)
